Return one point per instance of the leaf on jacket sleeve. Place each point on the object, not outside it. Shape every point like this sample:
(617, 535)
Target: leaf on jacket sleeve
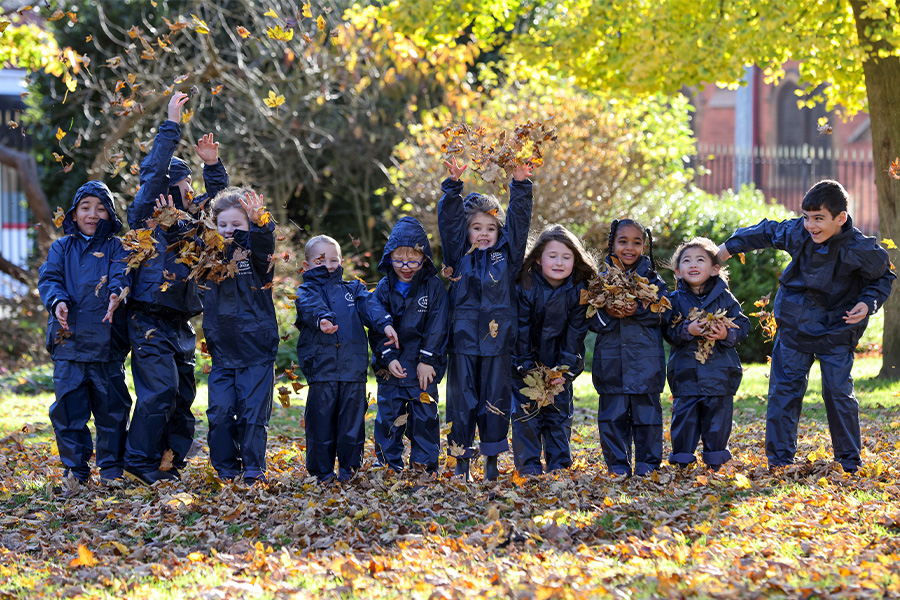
(99, 286)
(401, 420)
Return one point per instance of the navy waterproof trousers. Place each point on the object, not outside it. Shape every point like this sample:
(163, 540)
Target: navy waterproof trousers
(335, 420)
(479, 394)
(547, 431)
(701, 417)
(422, 427)
(626, 418)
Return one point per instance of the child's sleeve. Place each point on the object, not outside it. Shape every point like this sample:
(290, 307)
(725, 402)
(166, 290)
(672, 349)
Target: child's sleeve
(119, 279)
(52, 280)
(452, 222)
(262, 247)
(876, 269)
(518, 221)
(523, 356)
(154, 174)
(311, 308)
(765, 234)
(434, 340)
(370, 309)
(383, 354)
(572, 351)
(215, 178)
(738, 335)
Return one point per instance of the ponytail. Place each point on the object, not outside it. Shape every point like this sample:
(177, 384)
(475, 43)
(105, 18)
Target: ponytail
(649, 235)
(612, 237)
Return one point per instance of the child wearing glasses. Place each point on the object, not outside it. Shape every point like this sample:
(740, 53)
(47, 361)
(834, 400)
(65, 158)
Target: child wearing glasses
(408, 376)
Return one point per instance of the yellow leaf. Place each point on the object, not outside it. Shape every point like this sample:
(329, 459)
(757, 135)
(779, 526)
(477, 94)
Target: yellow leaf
(741, 482)
(200, 25)
(186, 116)
(122, 548)
(243, 32)
(85, 558)
(4, 23)
(889, 244)
(60, 134)
(424, 398)
(273, 101)
(307, 12)
(271, 13)
(742, 257)
(195, 556)
(278, 33)
(320, 23)
(58, 216)
(56, 16)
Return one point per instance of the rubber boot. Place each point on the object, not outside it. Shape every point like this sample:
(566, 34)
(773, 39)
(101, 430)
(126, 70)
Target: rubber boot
(491, 471)
(462, 468)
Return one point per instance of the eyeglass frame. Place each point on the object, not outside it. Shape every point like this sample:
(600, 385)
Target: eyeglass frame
(409, 264)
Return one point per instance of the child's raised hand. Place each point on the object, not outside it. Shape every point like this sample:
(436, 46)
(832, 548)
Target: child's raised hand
(392, 337)
(254, 206)
(397, 369)
(62, 315)
(327, 326)
(178, 100)
(113, 305)
(164, 202)
(425, 374)
(857, 313)
(456, 170)
(523, 171)
(207, 149)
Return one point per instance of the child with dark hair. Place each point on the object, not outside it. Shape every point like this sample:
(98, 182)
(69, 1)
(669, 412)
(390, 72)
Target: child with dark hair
(629, 369)
(332, 315)
(241, 333)
(163, 300)
(485, 252)
(837, 277)
(703, 390)
(551, 332)
(408, 376)
(81, 284)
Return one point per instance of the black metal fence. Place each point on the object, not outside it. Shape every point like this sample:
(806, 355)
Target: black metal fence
(786, 172)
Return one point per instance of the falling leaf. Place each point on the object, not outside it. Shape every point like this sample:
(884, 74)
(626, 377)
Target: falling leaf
(320, 23)
(4, 23)
(149, 334)
(278, 33)
(56, 16)
(13, 125)
(243, 32)
(99, 285)
(494, 328)
(85, 558)
(88, 39)
(284, 396)
(894, 170)
(186, 116)
(425, 398)
(165, 464)
(889, 243)
(58, 216)
(60, 134)
(271, 13)
(307, 10)
(823, 126)
(182, 78)
(98, 254)
(273, 100)
(200, 25)
(401, 420)
(216, 90)
(742, 258)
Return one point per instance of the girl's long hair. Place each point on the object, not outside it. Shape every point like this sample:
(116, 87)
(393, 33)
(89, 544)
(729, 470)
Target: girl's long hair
(648, 237)
(706, 245)
(584, 267)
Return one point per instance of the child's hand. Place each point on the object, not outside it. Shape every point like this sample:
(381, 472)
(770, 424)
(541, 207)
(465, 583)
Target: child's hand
(327, 326)
(724, 254)
(392, 337)
(719, 332)
(207, 149)
(523, 171)
(164, 202)
(694, 328)
(625, 312)
(455, 169)
(557, 380)
(254, 206)
(113, 305)
(857, 313)
(397, 370)
(426, 375)
(62, 315)
(178, 100)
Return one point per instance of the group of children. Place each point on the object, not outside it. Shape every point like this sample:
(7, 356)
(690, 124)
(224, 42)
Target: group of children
(512, 307)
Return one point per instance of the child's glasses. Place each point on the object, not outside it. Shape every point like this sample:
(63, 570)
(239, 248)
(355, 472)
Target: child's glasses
(409, 264)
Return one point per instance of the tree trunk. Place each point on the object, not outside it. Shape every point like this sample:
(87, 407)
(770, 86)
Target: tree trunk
(25, 164)
(882, 77)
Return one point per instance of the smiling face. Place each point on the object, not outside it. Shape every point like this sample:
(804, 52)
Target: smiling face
(406, 262)
(821, 225)
(323, 254)
(557, 261)
(231, 220)
(88, 214)
(483, 230)
(628, 245)
(695, 266)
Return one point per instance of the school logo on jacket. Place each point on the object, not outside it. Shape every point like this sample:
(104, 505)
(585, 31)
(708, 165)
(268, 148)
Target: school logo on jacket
(496, 257)
(244, 267)
(349, 297)
(423, 303)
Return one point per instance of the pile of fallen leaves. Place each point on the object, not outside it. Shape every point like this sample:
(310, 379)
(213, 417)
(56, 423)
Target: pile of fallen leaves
(542, 384)
(708, 323)
(496, 160)
(614, 288)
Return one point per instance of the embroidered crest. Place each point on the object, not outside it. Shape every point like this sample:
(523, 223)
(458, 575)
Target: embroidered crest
(349, 297)
(423, 302)
(496, 257)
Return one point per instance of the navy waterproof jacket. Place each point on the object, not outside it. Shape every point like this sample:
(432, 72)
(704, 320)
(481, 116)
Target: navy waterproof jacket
(344, 354)
(83, 272)
(239, 321)
(181, 297)
(420, 318)
(552, 326)
(628, 355)
(721, 374)
(821, 283)
(485, 291)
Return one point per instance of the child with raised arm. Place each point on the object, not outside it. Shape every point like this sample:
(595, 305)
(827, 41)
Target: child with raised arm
(629, 369)
(552, 328)
(837, 277)
(333, 353)
(408, 377)
(485, 252)
(241, 333)
(703, 389)
(81, 284)
(162, 301)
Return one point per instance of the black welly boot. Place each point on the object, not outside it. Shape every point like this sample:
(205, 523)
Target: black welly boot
(491, 471)
(462, 469)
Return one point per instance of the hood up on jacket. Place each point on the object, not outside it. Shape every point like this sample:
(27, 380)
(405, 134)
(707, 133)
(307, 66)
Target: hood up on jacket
(101, 191)
(407, 232)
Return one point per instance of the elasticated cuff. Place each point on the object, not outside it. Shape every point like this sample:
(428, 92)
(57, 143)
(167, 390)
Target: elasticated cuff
(494, 448)
(719, 457)
(683, 458)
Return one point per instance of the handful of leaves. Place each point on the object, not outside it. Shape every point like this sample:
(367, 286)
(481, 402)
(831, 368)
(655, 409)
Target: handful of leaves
(497, 160)
(542, 387)
(708, 322)
(614, 288)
